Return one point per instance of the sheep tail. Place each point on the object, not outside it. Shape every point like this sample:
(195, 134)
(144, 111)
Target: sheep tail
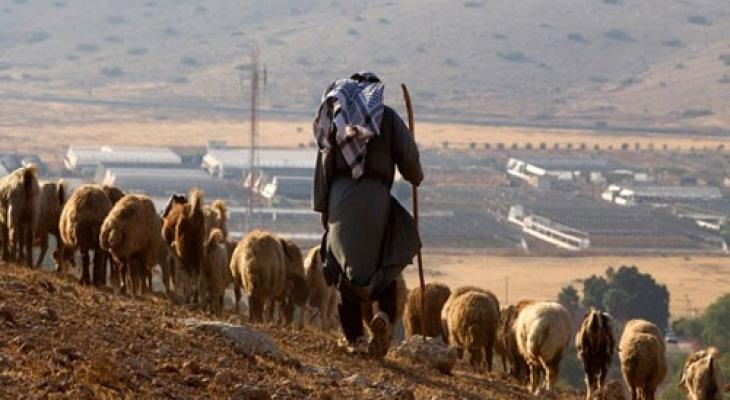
(29, 174)
(61, 192)
(196, 201)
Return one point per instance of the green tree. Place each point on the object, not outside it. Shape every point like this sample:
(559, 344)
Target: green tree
(594, 291)
(716, 322)
(569, 298)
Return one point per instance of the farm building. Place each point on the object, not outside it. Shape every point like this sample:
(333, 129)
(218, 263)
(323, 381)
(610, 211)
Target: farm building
(233, 163)
(85, 159)
(290, 187)
(658, 195)
(577, 224)
(544, 172)
(161, 180)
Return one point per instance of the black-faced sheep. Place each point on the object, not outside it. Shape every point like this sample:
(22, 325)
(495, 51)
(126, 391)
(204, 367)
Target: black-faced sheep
(19, 212)
(258, 266)
(131, 234)
(643, 359)
(184, 230)
(702, 377)
(52, 199)
(543, 330)
(435, 298)
(472, 325)
(216, 275)
(79, 226)
(595, 344)
(323, 299)
(506, 345)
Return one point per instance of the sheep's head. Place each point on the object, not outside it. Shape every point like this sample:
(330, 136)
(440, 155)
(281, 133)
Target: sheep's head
(189, 232)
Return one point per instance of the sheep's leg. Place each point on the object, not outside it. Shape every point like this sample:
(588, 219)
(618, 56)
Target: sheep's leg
(85, 278)
(551, 371)
(99, 268)
(488, 354)
(534, 378)
(5, 240)
(237, 295)
(255, 308)
(43, 250)
(28, 236)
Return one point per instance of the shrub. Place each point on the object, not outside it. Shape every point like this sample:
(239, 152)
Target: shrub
(513, 56)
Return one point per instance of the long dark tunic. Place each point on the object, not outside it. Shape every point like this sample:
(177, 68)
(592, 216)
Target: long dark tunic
(368, 234)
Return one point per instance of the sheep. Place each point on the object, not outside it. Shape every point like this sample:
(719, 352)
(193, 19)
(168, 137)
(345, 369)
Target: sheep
(19, 212)
(216, 216)
(258, 266)
(452, 297)
(79, 226)
(216, 275)
(113, 193)
(643, 359)
(296, 292)
(184, 230)
(52, 200)
(323, 299)
(506, 345)
(702, 377)
(543, 330)
(472, 325)
(436, 296)
(131, 233)
(595, 344)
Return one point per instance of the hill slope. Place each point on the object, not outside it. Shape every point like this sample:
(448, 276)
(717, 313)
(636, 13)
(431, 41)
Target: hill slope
(471, 59)
(63, 340)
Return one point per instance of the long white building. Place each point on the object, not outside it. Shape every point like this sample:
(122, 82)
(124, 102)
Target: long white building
(85, 159)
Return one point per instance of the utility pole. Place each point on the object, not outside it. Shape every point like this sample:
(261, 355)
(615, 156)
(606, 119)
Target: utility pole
(253, 172)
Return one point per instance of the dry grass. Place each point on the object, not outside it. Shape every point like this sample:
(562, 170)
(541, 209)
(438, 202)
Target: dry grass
(693, 282)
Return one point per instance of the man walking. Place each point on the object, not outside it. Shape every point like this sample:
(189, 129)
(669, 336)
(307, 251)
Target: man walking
(369, 236)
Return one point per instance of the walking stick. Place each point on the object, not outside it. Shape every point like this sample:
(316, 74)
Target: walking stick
(419, 257)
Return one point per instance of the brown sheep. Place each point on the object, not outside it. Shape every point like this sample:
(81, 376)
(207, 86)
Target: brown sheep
(456, 294)
(113, 193)
(297, 290)
(543, 330)
(258, 266)
(595, 344)
(216, 275)
(472, 325)
(131, 234)
(323, 299)
(184, 230)
(80, 226)
(436, 296)
(512, 361)
(216, 216)
(52, 200)
(19, 212)
(702, 377)
(643, 359)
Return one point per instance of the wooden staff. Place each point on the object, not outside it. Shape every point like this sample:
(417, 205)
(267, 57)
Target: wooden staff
(419, 257)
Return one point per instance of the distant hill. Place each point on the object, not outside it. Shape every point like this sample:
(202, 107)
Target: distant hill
(594, 62)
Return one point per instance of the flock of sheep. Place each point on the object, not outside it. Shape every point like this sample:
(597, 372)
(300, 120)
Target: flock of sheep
(198, 262)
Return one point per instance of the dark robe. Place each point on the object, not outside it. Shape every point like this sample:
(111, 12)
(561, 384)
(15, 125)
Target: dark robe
(371, 236)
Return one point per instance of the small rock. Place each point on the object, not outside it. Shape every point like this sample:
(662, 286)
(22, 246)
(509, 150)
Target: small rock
(432, 352)
(48, 314)
(244, 340)
(355, 380)
(223, 378)
(8, 315)
(325, 372)
(403, 394)
(251, 392)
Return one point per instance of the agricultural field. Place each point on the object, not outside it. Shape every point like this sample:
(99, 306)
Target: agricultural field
(694, 282)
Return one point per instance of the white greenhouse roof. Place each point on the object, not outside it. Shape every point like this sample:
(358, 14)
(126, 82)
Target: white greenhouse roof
(86, 156)
(267, 158)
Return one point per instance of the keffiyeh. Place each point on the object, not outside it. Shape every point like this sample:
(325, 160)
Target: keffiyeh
(354, 107)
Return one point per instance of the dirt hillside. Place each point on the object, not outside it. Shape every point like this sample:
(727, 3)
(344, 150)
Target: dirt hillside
(62, 340)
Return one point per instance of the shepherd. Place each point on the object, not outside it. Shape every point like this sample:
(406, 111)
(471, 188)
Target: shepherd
(369, 237)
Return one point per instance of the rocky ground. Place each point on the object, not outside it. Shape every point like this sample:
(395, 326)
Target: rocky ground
(61, 340)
